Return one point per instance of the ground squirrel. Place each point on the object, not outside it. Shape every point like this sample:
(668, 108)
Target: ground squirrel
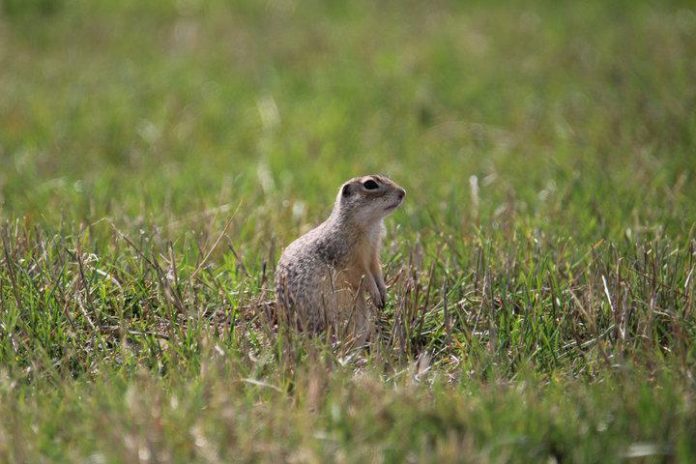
(322, 277)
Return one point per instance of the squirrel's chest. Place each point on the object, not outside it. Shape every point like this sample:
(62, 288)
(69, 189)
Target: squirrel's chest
(357, 265)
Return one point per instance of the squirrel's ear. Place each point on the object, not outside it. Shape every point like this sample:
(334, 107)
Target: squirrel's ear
(346, 191)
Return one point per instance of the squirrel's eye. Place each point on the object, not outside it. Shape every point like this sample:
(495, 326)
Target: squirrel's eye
(371, 185)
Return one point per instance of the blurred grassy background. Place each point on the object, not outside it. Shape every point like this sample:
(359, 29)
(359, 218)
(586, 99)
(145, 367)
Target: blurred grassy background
(549, 154)
(581, 112)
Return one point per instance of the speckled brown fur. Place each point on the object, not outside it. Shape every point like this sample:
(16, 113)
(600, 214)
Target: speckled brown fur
(323, 277)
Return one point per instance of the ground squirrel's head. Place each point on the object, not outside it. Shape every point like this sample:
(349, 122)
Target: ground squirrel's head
(368, 199)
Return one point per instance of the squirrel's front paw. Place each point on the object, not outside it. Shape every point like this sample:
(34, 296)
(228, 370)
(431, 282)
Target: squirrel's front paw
(379, 296)
(379, 301)
(382, 295)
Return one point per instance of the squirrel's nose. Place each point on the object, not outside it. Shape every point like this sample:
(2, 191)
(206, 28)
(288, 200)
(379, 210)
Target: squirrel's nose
(401, 193)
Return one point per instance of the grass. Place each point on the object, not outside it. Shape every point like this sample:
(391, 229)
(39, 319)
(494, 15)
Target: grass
(156, 157)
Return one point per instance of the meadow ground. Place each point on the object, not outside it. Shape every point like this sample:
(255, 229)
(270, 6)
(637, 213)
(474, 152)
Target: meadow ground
(156, 156)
